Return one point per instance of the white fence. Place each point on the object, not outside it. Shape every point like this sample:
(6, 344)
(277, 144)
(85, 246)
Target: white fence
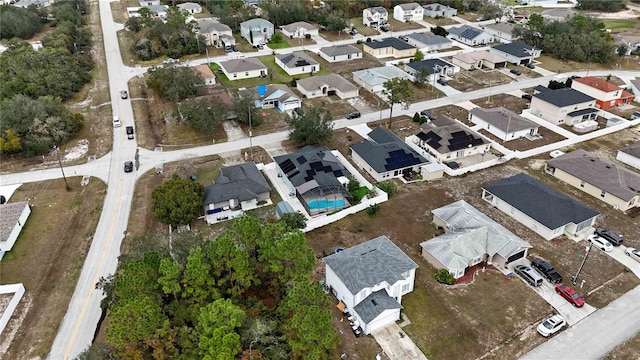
(18, 291)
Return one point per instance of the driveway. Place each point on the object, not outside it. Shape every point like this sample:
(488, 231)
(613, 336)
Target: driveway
(618, 254)
(397, 344)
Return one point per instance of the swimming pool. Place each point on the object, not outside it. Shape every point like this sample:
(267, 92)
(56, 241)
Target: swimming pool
(326, 204)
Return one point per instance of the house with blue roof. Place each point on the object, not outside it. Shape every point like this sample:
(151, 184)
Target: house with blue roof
(370, 279)
(470, 35)
(276, 96)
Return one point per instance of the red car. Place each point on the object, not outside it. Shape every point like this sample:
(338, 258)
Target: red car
(570, 295)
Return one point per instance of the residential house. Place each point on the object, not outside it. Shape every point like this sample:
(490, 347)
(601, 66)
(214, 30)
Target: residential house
(297, 63)
(276, 96)
(205, 72)
(502, 32)
(470, 238)
(630, 155)
(337, 53)
(390, 46)
(438, 10)
(317, 178)
(243, 68)
(632, 42)
(256, 31)
(158, 11)
(238, 188)
(448, 140)
(558, 14)
(215, 33)
(478, 60)
(224, 98)
(384, 156)
(375, 16)
(37, 3)
(14, 216)
(563, 106)
(429, 42)
(408, 12)
(144, 3)
(635, 86)
(369, 279)
(546, 211)
(615, 185)
(607, 94)
(299, 30)
(436, 68)
(190, 7)
(470, 35)
(517, 52)
(373, 79)
(326, 85)
(503, 123)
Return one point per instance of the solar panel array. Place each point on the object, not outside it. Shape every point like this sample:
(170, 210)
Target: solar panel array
(470, 33)
(399, 159)
(461, 140)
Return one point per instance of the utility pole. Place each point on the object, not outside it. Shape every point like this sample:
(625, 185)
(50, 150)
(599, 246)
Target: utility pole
(489, 98)
(584, 259)
(250, 133)
(66, 185)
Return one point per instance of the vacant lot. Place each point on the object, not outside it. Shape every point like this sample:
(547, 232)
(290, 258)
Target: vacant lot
(334, 35)
(478, 79)
(546, 137)
(441, 21)
(395, 25)
(345, 68)
(336, 106)
(507, 101)
(363, 29)
(627, 63)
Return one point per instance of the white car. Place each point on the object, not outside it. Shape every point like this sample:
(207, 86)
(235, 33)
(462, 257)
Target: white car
(551, 326)
(633, 253)
(116, 122)
(600, 243)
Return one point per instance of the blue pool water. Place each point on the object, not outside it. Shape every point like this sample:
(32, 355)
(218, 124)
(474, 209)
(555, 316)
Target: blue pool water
(326, 204)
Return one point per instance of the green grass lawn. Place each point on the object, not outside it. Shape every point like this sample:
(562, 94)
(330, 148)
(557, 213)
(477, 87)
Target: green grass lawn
(242, 44)
(278, 45)
(620, 24)
(362, 29)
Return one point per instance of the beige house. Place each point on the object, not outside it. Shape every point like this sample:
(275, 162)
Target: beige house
(630, 155)
(206, 73)
(243, 68)
(563, 106)
(478, 60)
(299, 30)
(215, 33)
(613, 184)
(389, 47)
(326, 85)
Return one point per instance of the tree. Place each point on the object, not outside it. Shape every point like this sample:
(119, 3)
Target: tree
(245, 105)
(175, 82)
(439, 30)
(310, 127)
(373, 209)
(177, 201)
(10, 142)
(203, 115)
(286, 12)
(556, 85)
(419, 56)
(621, 50)
(230, 265)
(334, 21)
(217, 324)
(134, 23)
(18, 22)
(422, 77)
(601, 5)
(294, 221)
(396, 91)
(387, 186)
(491, 10)
(99, 351)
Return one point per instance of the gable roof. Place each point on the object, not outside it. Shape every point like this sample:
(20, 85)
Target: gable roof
(633, 149)
(189, 6)
(380, 75)
(377, 9)
(389, 42)
(208, 25)
(293, 27)
(10, 215)
(338, 50)
(636, 82)
(505, 27)
(616, 180)
(437, 7)
(432, 65)
(409, 6)
(333, 80)
(375, 304)
(516, 48)
(386, 152)
(561, 97)
(257, 22)
(278, 92)
(238, 65)
(466, 31)
(296, 59)
(370, 263)
(472, 57)
(470, 234)
(204, 71)
(540, 202)
(429, 39)
(503, 119)
(445, 135)
(597, 83)
(243, 182)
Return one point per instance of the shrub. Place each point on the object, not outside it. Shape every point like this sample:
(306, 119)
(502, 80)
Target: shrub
(374, 209)
(416, 117)
(359, 41)
(276, 38)
(368, 39)
(307, 36)
(388, 186)
(353, 185)
(444, 277)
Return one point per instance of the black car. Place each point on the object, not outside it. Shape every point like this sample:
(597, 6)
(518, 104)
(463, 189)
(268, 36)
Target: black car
(610, 236)
(426, 114)
(516, 71)
(546, 270)
(527, 97)
(353, 115)
(128, 166)
(530, 66)
(443, 81)
(453, 165)
(129, 132)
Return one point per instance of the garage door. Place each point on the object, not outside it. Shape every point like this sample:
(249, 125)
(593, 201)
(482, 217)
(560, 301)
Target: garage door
(515, 256)
(384, 319)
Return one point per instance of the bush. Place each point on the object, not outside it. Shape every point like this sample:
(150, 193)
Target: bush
(275, 38)
(368, 39)
(444, 277)
(388, 186)
(353, 185)
(307, 36)
(359, 42)
(416, 117)
(373, 210)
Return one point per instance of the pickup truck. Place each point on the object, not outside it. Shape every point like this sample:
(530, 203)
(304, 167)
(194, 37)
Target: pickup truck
(130, 132)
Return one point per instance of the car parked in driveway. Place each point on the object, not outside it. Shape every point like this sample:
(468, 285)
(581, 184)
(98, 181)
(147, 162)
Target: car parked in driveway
(530, 66)
(516, 72)
(610, 236)
(353, 115)
(426, 114)
(551, 325)
(600, 243)
(570, 295)
(546, 270)
(633, 253)
(529, 275)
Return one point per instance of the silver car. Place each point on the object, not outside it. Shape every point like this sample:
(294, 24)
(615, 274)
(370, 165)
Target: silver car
(551, 326)
(633, 253)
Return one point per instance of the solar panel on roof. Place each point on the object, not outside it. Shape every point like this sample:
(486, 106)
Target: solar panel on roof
(301, 159)
(287, 166)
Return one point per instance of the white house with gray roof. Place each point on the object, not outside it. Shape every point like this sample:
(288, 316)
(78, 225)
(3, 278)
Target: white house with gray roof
(257, 31)
(503, 123)
(325, 85)
(12, 220)
(337, 53)
(190, 7)
(630, 155)
(429, 42)
(470, 238)
(563, 106)
(299, 30)
(373, 79)
(503, 32)
(546, 211)
(215, 33)
(436, 68)
(375, 16)
(408, 12)
(243, 68)
(470, 35)
(297, 63)
(613, 184)
(439, 10)
(517, 52)
(278, 96)
(370, 279)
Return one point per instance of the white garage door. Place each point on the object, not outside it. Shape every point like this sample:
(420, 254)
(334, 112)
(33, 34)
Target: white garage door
(384, 319)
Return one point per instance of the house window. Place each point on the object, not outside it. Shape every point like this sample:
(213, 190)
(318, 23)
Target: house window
(348, 57)
(476, 259)
(603, 193)
(246, 73)
(582, 183)
(334, 58)
(235, 75)
(405, 288)
(513, 210)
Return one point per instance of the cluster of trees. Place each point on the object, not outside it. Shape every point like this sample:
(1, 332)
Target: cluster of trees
(310, 126)
(580, 38)
(601, 5)
(177, 201)
(246, 291)
(230, 12)
(173, 38)
(33, 83)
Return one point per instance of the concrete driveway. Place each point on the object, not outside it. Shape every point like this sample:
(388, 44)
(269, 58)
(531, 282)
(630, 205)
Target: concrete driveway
(397, 344)
(618, 254)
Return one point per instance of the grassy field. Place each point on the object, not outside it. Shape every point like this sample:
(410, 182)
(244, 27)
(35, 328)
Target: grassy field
(362, 28)
(616, 25)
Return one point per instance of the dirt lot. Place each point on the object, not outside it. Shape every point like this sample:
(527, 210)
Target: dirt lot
(441, 21)
(336, 106)
(555, 65)
(478, 79)
(334, 36)
(345, 68)
(548, 137)
(363, 29)
(395, 25)
(507, 101)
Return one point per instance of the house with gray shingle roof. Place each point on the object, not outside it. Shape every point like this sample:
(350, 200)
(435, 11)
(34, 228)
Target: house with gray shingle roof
(190, 7)
(243, 68)
(613, 184)
(470, 238)
(503, 32)
(503, 123)
(429, 42)
(469, 35)
(278, 96)
(257, 31)
(238, 188)
(387, 47)
(630, 155)
(299, 29)
(373, 79)
(13, 216)
(297, 63)
(408, 12)
(215, 33)
(375, 16)
(439, 10)
(517, 52)
(370, 280)
(384, 156)
(562, 106)
(325, 85)
(337, 53)
(546, 211)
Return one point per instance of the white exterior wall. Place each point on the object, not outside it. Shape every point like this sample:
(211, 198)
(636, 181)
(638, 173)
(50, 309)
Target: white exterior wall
(387, 317)
(501, 134)
(364, 166)
(596, 93)
(628, 159)
(554, 114)
(342, 293)
(244, 74)
(299, 33)
(18, 291)
(483, 38)
(15, 232)
(410, 15)
(298, 70)
(346, 57)
(375, 17)
(499, 35)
